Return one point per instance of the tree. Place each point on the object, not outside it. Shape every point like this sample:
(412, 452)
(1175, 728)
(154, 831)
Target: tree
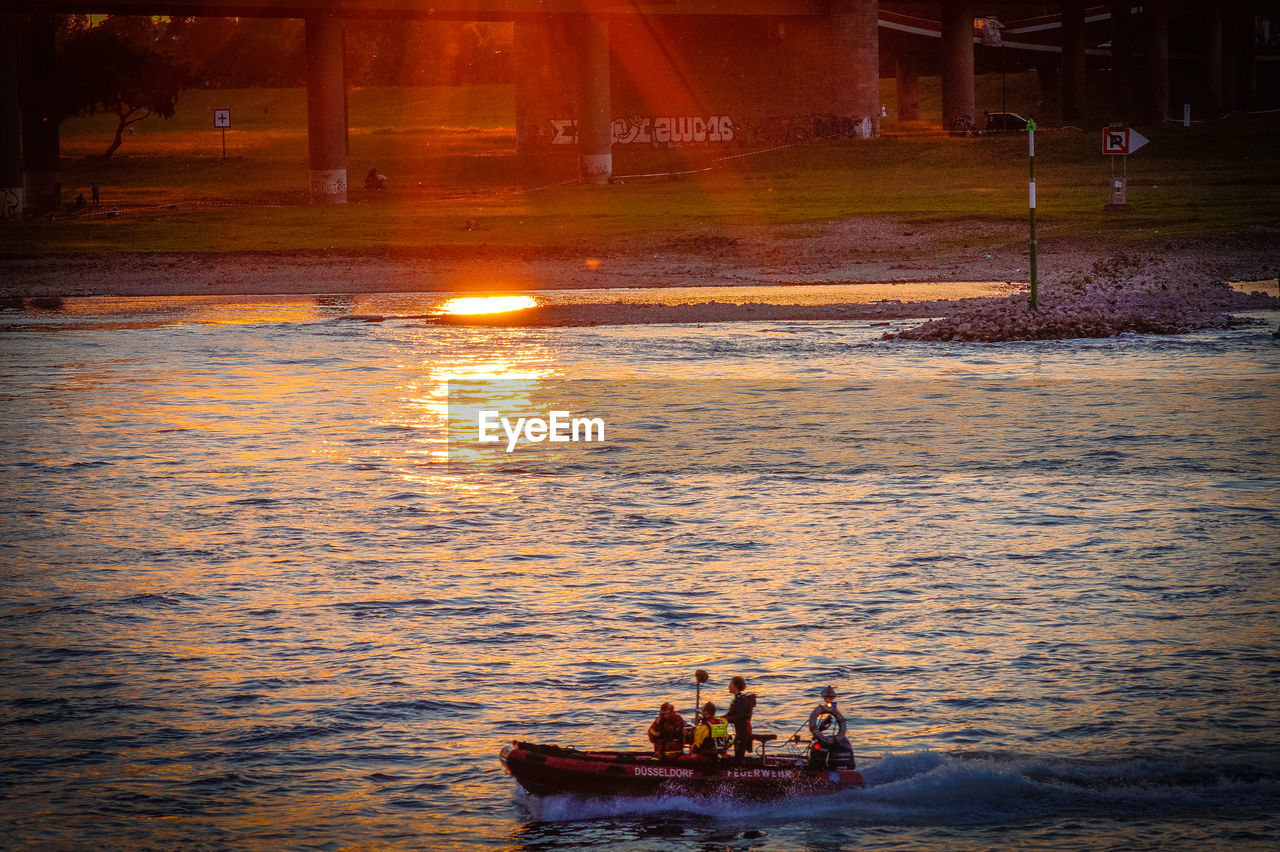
(236, 53)
(117, 69)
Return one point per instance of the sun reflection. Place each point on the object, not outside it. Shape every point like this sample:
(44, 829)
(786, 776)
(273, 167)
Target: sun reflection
(487, 304)
(438, 406)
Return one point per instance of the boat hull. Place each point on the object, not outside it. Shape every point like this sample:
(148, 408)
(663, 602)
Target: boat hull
(549, 770)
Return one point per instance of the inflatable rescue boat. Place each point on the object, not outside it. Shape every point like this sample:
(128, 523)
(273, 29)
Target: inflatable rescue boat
(548, 769)
(822, 764)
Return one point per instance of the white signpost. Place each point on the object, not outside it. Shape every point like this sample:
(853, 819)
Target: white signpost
(1120, 142)
(222, 119)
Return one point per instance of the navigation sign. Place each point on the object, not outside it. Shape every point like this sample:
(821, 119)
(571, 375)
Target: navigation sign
(1121, 141)
(222, 120)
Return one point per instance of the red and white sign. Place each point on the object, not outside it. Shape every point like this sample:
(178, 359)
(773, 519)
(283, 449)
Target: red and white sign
(1121, 140)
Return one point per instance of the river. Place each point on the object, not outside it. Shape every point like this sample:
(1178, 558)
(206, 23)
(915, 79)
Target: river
(264, 587)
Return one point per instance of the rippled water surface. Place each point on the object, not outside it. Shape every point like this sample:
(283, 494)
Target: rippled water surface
(262, 586)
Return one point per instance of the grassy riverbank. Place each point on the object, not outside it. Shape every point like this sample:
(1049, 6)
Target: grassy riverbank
(457, 185)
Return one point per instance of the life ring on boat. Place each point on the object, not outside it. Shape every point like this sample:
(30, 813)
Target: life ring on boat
(821, 721)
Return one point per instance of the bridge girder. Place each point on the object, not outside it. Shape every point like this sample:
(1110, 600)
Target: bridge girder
(470, 10)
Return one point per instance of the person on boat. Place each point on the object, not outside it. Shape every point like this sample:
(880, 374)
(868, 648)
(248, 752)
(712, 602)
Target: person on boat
(827, 726)
(667, 733)
(711, 736)
(739, 715)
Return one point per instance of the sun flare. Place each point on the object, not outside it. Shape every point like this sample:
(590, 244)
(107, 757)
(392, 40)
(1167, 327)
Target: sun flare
(487, 304)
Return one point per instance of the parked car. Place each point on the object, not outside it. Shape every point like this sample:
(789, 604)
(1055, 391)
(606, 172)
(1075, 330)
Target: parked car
(1005, 122)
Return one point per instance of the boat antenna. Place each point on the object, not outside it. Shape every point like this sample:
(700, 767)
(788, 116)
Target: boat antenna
(795, 738)
(701, 677)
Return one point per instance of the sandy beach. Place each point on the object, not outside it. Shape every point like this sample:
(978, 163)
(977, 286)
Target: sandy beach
(971, 281)
(856, 250)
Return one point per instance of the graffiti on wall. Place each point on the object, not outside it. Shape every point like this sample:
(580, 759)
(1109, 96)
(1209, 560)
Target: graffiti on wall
(10, 203)
(676, 131)
(641, 130)
(687, 130)
(782, 130)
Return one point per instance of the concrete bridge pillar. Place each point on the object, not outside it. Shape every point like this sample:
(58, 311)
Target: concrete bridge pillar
(1073, 67)
(1246, 57)
(595, 106)
(908, 77)
(41, 171)
(1121, 61)
(1230, 56)
(1155, 23)
(1047, 76)
(326, 110)
(855, 32)
(1211, 65)
(957, 64)
(10, 119)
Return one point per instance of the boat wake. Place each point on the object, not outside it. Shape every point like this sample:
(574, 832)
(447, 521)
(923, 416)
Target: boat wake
(930, 788)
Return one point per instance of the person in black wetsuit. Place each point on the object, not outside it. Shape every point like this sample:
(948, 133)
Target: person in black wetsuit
(739, 715)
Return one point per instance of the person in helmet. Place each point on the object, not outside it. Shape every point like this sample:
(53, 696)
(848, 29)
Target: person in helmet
(667, 733)
(711, 736)
(827, 726)
(739, 715)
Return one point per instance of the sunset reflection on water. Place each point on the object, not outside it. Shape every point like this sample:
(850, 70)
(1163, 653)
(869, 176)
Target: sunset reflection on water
(126, 312)
(503, 367)
(486, 304)
(262, 584)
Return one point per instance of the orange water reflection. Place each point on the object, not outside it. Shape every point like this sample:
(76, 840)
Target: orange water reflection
(487, 304)
(123, 312)
(502, 370)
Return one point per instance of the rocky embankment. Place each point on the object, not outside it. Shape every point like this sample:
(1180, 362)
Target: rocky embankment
(1129, 293)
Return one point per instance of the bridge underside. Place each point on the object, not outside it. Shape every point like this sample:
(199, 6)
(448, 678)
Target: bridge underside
(1123, 60)
(592, 74)
(458, 10)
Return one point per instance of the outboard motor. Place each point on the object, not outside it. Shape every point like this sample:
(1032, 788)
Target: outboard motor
(837, 755)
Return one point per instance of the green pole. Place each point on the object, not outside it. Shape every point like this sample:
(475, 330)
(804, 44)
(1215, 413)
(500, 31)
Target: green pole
(1035, 279)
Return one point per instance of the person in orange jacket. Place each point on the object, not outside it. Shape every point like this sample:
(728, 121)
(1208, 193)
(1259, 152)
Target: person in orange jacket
(667, 733)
